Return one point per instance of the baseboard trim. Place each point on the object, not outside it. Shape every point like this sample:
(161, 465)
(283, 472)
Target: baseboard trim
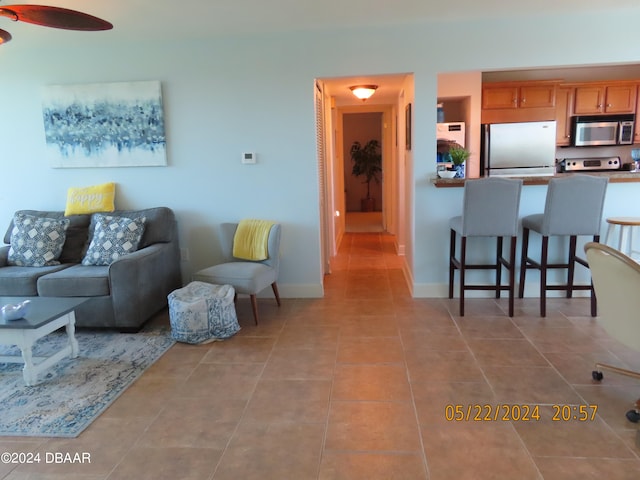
(408, 275)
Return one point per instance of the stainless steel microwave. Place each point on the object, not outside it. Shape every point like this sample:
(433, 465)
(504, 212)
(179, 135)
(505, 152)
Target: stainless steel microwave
(599, 130)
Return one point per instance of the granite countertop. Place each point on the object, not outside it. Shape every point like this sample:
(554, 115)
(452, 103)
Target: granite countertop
(614, 177)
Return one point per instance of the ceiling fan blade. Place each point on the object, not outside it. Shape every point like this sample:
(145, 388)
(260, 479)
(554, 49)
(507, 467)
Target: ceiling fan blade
(4, 36)
(55, 17)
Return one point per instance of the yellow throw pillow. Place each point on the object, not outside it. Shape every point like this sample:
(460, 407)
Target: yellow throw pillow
(97, 198)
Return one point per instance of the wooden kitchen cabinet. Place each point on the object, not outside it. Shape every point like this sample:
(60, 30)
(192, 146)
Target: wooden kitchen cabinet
(519, 95)
(564, 111)
(636, 133)
(499, 96)
(504, 102)
(538, 95)
(597, 98)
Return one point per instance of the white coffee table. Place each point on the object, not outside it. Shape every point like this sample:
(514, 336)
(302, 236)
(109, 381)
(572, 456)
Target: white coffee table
(45, 315)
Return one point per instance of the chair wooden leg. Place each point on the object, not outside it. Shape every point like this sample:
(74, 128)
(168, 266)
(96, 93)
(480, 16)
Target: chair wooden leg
(274, 287)
(463, 260)
(498, 266)
(523, 261)
(594, 299)
(254, 307)
(512, 274)
(543, 276)
(452, 254)
(571, 265)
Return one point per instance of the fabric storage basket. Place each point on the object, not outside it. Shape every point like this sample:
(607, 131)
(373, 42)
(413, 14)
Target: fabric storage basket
(202, 312)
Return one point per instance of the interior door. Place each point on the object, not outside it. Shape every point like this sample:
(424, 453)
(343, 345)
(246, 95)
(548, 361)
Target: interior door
(326, 226)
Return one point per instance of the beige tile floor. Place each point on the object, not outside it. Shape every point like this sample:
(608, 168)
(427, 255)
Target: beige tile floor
(356, 386)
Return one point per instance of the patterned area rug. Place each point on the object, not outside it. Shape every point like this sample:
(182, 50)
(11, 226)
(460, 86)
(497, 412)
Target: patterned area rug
(74, 392)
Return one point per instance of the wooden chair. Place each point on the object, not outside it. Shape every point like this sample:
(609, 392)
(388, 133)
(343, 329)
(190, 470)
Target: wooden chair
(616, 279)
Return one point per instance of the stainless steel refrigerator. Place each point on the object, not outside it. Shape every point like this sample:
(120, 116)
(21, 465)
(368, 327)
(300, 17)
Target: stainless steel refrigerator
(519, 149)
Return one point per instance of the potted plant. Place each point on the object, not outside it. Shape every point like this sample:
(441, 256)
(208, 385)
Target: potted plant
(367, 162)
(458, 156)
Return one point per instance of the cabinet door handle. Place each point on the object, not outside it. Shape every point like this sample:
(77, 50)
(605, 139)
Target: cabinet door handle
(609, 105)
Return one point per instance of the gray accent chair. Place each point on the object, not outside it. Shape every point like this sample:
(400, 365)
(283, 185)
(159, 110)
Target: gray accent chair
(573, 207)
(246, 277)
(490, 209)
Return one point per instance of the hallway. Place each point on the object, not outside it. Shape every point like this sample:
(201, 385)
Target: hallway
(363, 222)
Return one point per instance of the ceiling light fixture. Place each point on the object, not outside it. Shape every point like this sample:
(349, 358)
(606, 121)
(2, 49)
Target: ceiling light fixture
(363, 91)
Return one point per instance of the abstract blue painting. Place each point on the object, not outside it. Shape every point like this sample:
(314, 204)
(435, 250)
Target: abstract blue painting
(104, 125)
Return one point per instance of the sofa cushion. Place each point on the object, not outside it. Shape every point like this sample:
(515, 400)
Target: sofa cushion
(97, 198)
(23, 281)
(159, 226)
(77, 233)
(75, 281)
(112, 238)
(36, 241)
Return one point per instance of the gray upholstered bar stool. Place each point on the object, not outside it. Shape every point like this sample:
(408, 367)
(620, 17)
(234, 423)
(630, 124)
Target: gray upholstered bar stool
(490, 209)
(573, 207)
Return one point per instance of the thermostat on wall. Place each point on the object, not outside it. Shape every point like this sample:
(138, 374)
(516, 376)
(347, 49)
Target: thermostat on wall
(249, 157)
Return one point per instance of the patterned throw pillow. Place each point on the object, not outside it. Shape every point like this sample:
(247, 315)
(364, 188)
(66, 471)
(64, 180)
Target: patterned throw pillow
(113, 238)
(36, 241)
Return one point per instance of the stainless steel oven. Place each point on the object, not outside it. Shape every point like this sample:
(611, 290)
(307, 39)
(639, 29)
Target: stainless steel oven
(593, 163)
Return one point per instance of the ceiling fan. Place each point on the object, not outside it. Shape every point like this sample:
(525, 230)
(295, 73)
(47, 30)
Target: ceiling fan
(54, 17)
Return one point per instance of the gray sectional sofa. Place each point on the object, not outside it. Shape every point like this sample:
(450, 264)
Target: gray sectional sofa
(124, 294)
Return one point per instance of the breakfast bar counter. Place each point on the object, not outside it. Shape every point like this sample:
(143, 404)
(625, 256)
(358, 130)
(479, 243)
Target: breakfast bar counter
(614, 177)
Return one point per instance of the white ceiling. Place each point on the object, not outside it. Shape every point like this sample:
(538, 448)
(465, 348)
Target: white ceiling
(151, 19)
(202, 17)
(195, 18)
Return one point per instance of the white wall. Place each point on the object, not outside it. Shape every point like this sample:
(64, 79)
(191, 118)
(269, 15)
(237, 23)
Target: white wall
(468, 85)
(227, 95)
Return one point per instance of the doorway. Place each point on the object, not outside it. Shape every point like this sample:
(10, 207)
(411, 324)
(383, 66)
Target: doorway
(334, 99)
(363, 200)
(363, 123)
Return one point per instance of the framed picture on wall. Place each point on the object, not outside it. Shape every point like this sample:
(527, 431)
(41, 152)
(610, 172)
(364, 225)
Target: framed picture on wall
(119, 124)
(407, 123)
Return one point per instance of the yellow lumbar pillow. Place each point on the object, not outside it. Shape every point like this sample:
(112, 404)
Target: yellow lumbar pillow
(97, 198)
